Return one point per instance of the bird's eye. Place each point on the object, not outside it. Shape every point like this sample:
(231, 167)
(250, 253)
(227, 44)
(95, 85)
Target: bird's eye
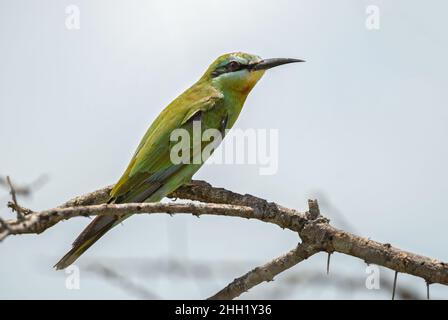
(233, 66)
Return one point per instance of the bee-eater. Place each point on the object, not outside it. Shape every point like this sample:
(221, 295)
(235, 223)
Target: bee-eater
(215, 101)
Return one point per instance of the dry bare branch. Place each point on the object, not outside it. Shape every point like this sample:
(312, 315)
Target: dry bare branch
(40, 221)
(315, 231)
(265, 272)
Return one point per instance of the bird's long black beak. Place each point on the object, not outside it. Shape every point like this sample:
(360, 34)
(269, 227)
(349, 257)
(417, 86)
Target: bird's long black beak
(271, 63)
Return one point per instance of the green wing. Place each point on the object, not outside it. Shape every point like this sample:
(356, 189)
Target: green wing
(151, 166)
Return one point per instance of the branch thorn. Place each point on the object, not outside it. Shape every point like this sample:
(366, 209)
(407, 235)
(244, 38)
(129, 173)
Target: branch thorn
(427, 290)
(328, 262)
(394, 285)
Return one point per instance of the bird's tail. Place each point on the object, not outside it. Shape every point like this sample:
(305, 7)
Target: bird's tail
(94, 231)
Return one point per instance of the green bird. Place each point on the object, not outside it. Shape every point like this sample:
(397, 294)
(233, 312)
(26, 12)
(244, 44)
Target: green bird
(215, 101)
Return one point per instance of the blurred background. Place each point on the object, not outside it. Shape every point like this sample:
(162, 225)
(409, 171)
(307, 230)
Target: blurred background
(362, 127)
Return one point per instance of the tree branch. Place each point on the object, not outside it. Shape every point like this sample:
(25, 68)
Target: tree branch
(40, 221)
(383, 254)
(314, 230)
(265, 272)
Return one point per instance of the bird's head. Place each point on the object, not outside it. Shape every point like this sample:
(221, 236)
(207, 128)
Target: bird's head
(239, 71)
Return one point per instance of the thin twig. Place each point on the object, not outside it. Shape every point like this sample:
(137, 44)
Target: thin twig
(122, 282)
(28, 189)
(15, 206)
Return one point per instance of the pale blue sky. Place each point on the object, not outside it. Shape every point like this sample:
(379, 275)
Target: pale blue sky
(363, 121)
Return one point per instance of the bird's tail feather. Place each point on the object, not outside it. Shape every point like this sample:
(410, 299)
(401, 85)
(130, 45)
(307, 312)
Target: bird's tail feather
(101, 224)
(94, 231)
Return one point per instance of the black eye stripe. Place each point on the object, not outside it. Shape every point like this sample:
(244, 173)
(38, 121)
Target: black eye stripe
(232, 66)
